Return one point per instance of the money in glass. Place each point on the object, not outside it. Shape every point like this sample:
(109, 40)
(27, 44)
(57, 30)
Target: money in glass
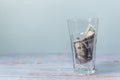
(83, 36)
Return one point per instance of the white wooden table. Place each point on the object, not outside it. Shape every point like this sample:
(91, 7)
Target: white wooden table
(55, 67)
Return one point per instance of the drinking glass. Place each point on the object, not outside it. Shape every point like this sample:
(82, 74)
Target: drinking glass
(83, 37)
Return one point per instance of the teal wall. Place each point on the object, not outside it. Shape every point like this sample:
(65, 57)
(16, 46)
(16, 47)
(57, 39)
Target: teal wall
(39, 26)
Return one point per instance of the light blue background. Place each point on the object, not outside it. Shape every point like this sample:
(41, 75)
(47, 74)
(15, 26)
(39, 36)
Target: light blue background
(39, 26)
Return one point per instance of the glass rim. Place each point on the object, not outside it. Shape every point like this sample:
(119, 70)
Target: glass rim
(83, 18)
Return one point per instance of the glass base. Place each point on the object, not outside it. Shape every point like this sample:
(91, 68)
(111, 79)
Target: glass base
(84, 70)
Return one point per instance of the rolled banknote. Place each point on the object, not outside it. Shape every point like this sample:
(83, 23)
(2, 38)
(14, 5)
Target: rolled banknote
(84, 47)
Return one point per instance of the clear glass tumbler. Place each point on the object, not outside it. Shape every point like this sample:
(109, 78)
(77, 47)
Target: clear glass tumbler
(83, 36)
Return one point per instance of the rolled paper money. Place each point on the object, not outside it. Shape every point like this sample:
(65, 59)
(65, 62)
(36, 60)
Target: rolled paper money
(80, 52)
(84, 48)
(90, 32)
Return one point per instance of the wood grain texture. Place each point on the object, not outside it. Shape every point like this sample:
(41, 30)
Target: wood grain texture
(55, 67)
